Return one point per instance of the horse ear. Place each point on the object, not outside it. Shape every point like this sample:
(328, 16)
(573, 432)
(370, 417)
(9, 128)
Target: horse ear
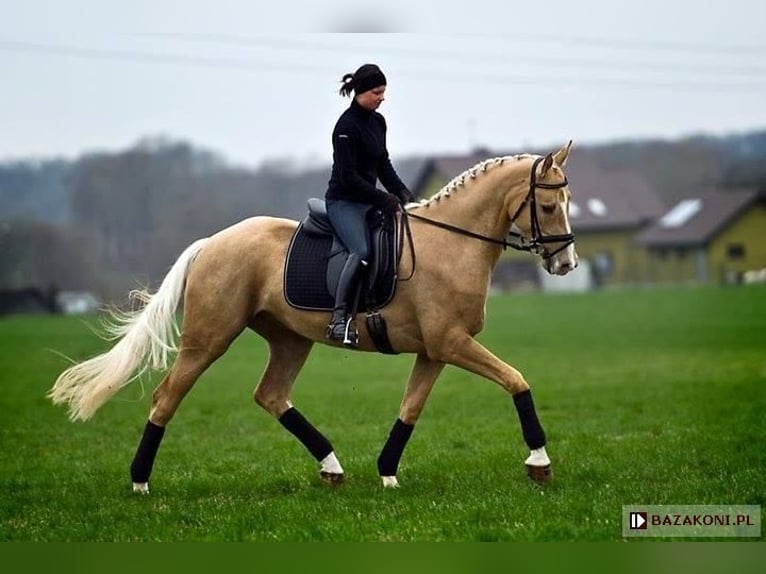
(547, 164)
(562, 155)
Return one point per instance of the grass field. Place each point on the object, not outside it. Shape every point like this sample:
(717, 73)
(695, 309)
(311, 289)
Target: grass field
(647, 397)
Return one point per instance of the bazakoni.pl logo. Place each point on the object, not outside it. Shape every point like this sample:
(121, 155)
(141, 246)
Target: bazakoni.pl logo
(692, 520)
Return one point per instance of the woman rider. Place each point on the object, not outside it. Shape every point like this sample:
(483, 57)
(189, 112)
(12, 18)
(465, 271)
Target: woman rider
(360, 159)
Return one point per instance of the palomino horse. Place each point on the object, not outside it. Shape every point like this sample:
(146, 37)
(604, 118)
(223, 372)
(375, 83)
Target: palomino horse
(234, 279)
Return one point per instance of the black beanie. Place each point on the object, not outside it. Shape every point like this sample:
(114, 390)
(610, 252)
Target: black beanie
(368, 77)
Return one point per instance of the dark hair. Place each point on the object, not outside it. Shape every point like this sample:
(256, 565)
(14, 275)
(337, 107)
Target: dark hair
(366, 77)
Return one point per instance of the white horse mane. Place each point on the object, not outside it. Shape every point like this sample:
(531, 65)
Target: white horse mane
(469, 174)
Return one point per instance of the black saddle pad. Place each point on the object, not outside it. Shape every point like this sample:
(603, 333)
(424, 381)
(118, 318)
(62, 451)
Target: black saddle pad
(306, 271)
(305, 280)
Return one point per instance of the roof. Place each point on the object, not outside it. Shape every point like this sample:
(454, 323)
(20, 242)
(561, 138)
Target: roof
(601, 199)
(609, 198)
(410, 170)
(696, 220)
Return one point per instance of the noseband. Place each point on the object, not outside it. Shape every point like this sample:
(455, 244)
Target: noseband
(538, 240)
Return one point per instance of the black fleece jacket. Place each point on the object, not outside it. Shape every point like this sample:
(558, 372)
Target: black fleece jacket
(360, 158)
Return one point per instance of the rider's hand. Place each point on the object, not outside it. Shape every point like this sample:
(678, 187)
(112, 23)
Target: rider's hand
(390, 204)
(406, 196)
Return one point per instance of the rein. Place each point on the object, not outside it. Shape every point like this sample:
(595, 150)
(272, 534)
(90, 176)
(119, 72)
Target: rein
(461, 231)
(536, 245)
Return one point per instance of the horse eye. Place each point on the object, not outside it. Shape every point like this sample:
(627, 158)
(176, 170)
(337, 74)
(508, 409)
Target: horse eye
(549, 208)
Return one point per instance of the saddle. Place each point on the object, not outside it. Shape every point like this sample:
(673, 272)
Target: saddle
(315, 259)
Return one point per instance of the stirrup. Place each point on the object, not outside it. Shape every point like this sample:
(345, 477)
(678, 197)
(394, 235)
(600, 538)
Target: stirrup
(350, 334)
(343, 331)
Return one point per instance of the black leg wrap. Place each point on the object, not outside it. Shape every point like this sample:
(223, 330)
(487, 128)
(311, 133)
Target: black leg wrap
(304, 431)
(147, 451)
(530, 425)
(388, 461)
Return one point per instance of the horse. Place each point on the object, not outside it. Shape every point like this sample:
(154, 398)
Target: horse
(233, 280)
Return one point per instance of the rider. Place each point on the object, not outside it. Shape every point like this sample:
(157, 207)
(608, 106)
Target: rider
(360, 158)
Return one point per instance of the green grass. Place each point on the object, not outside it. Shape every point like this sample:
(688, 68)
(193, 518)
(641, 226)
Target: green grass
(647, 397)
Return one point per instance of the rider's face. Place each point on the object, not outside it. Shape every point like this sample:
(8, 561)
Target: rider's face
(371, 99)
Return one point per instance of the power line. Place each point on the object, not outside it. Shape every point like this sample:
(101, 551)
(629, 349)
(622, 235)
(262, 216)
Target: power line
(464, 76)
(145, 57)
(442, 54)
(622, 43)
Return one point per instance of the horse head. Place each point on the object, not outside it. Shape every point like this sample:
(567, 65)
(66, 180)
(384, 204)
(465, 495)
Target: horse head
(543, 214)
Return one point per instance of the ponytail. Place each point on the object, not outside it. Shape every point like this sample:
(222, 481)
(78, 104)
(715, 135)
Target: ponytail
(347, 82)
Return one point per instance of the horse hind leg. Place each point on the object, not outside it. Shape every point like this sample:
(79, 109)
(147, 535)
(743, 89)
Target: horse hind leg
(192, 360)
(288, 352)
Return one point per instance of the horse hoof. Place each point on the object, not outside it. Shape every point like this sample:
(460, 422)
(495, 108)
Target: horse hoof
(334, 478)
(540, 474)
(141, 487)
(390, 482)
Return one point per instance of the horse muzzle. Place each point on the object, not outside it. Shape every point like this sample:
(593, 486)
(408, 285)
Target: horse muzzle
(562, 262)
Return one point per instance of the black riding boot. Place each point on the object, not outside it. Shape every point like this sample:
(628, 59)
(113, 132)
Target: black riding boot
(341, 327)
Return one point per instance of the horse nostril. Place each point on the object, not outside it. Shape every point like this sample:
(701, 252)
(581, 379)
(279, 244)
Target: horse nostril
(566, 267)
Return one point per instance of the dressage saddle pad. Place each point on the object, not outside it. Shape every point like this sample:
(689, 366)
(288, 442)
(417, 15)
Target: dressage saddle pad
(306, 272)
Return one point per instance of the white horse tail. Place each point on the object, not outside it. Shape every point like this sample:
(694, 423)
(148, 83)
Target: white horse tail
(146, 338)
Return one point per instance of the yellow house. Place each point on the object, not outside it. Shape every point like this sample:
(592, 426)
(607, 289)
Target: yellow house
(713, 237)
(608, 209)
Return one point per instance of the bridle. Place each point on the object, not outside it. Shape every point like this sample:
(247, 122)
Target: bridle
(536, 244)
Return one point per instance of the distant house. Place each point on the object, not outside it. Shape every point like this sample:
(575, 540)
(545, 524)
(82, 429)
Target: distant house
(77, 302)
(608, 209)
(714, 236)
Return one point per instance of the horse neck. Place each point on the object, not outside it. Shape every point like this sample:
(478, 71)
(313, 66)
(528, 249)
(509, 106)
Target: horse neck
(481, 204)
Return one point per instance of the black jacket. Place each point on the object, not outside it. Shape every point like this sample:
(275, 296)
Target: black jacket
(360, 158)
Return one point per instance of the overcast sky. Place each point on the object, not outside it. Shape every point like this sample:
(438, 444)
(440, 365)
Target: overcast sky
(253, 81)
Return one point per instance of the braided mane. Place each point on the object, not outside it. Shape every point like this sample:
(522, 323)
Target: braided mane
(467, 176)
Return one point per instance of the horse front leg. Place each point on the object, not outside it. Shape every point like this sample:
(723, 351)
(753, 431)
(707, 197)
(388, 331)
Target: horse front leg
(460, 349)
(422, 379)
